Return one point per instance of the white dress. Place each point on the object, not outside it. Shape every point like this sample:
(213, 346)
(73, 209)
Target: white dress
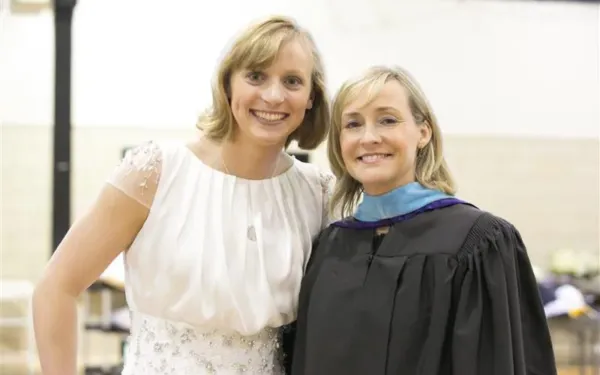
(216, 268)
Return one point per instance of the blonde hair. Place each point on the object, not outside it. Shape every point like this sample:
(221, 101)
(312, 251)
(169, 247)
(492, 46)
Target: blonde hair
(431, 169)
(257, 48)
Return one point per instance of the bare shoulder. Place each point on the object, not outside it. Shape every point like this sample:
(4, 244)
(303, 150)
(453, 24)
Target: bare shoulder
(201, 147)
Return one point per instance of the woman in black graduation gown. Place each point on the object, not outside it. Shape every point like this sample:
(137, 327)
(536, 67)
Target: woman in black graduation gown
(413, 281)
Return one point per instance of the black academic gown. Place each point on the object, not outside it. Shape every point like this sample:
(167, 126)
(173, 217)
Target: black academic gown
(447, 292)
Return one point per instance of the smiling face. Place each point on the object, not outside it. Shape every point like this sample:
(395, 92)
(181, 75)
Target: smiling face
(269, 104)
(379, 139)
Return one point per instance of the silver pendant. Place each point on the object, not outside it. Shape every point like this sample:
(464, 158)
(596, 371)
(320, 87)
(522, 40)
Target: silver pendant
(251, 233)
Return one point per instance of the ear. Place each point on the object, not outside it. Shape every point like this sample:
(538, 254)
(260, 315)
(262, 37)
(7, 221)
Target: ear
(425, 134)
(309, 105)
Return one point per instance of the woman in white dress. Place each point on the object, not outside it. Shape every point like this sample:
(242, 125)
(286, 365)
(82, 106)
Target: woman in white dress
(216, 233)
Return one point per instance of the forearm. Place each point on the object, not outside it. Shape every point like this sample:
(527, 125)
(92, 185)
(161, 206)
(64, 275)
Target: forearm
(55, 323)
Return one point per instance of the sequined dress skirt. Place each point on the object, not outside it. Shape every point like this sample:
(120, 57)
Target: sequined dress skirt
(158, 346)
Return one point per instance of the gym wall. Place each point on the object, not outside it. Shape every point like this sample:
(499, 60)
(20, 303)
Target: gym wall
(515, 86)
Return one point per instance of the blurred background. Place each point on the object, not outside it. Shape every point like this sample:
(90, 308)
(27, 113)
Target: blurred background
(515, 84)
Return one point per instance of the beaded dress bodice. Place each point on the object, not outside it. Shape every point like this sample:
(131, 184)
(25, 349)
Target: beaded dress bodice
(162, 347)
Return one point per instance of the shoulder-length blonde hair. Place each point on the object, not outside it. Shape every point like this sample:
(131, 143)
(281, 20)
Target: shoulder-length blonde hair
(431, 169)
(257, 48)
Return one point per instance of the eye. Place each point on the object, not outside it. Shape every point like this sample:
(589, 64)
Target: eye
(255, 77)
(293, 81)
(352, 124)
(389, 121)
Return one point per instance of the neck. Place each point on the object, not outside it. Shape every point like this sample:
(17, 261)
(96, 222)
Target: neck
(397, 202)
(249, 161)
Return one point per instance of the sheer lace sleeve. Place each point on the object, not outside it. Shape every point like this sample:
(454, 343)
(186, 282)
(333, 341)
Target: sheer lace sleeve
(327, 183)
(139, 172)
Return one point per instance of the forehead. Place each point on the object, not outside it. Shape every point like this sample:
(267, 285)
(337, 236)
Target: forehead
(292, 55)
(391, 94)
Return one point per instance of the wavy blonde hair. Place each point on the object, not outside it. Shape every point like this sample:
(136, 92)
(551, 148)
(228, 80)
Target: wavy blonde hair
(256, 49)
(431, 169)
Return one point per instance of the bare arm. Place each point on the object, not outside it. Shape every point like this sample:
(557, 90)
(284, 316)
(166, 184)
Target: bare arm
(92, 243)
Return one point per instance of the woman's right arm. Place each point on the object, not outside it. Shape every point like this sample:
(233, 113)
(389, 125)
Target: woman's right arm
(92, 243)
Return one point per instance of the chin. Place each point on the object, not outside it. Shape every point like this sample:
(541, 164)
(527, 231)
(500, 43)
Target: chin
(269, 138)
(370, 175)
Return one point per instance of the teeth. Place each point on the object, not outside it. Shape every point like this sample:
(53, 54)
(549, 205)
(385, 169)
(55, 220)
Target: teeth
(373, 157)
(269, 116)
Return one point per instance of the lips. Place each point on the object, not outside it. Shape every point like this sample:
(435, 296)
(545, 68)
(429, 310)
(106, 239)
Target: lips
(269, 116)
(373, 158)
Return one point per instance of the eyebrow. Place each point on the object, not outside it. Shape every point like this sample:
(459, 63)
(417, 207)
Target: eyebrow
(378, 109)
(295, 72)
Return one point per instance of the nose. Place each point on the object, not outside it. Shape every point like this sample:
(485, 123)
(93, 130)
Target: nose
(370, 135)
(273, 93)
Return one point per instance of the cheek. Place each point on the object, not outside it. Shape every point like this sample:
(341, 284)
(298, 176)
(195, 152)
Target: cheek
(238, 102)
(348, 148)
(235, 105)
(237, 110)
(404, 143)
(299, 101)
(409, 157)
(241, 95)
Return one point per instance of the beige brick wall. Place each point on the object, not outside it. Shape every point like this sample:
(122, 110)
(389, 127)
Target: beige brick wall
(548, 188)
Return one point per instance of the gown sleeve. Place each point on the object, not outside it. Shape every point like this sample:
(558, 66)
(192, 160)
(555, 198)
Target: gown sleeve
(499, 326)
(139, 172)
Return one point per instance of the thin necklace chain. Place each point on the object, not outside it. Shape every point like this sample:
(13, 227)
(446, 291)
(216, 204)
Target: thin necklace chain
(227, 169)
